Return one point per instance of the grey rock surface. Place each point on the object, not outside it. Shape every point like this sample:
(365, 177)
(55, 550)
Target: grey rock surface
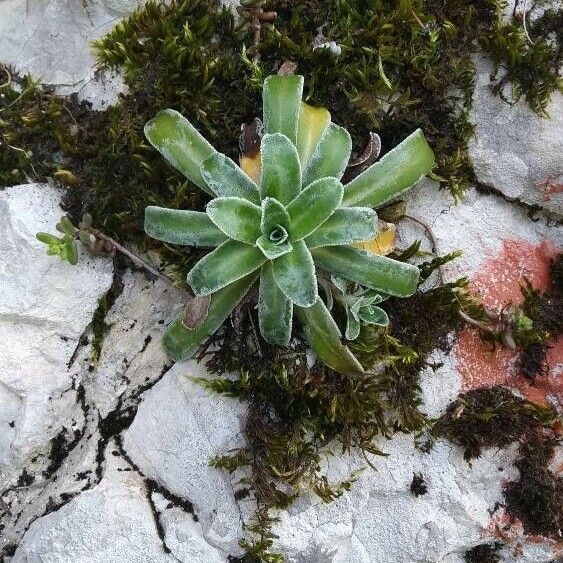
(515, 151)
(45, 306)
(51, 41)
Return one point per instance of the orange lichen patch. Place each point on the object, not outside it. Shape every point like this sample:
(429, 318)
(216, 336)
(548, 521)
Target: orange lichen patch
(498, 284)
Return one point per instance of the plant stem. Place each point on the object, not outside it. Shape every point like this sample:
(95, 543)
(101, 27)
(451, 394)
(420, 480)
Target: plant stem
(133, 257)
(480, 325)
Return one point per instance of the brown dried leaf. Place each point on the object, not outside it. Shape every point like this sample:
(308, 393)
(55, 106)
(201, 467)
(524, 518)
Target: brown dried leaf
(196, 311)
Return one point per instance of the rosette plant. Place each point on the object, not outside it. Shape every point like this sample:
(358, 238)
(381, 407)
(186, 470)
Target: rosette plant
(282, 223)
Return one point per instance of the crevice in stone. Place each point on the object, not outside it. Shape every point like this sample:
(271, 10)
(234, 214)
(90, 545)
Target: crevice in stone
(534, 212)
(152, 487)
(156, 517)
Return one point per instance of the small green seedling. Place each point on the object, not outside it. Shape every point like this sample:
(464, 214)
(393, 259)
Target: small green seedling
(294, 218)
(65, 246)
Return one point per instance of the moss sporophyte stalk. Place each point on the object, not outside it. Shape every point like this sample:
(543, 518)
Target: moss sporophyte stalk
(290, 223)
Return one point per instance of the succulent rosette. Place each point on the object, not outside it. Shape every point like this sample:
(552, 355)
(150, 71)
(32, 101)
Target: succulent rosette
(282, 222)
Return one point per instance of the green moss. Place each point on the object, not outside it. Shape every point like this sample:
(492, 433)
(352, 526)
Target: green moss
(529, 66)
(99, 325)
(39, 135)
(409, 64)
(403, 65)
(537, 497)
(495, 417)
(545, 310)
(484, 553)
(490, 417)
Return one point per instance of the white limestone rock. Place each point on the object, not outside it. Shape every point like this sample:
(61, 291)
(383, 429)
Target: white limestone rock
(114, 523)
(111, 523)
(51, 40)
(477, 225)
(45, 306)
(178, 428)
(381, 520)
(515, 151)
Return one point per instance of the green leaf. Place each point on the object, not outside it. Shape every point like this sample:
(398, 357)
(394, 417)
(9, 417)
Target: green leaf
(272, 250)
(236, 217)
(323, 336)
(66, 226)
(281, 98)
(171, 134)
(370, 270)
(353, 326)
(181, 343)
(274, 214)
(345, 226)
(275, 310)
(71, 250)
(226, 179)
(281, 172)
(374, 316)
(294, 273)
(313, 122)
(48, 239)
(331, 156)
(395, 173)
(226, 264)
(178, 226)
(313, 206)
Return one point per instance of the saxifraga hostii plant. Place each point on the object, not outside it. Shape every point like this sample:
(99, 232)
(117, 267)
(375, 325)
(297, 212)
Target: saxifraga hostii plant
(285, 223)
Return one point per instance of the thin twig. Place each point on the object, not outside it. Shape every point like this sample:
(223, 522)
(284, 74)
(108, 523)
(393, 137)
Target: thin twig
(417, 19)
(7, 72)
(524, 12)
(133, 257)
(430, 235)
(479, 324)
(70, 113)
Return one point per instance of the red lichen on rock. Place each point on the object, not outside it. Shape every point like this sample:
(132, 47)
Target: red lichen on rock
(550, 187)
(498, 284)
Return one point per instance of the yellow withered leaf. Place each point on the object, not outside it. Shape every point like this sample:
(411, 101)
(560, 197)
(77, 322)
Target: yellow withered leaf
(312, 123)
(384, 243)
(251, 166)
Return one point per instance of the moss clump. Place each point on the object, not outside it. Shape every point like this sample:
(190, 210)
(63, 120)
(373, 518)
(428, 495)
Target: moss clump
(537, 497)
(490, 417)
(546, 312)
(408, 64)
(484, 553)
(402, 65)
(529, 64)
(495, 417)
(41, 134)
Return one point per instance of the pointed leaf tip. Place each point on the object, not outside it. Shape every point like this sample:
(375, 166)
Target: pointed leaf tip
(171, 134)
(396, 172)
